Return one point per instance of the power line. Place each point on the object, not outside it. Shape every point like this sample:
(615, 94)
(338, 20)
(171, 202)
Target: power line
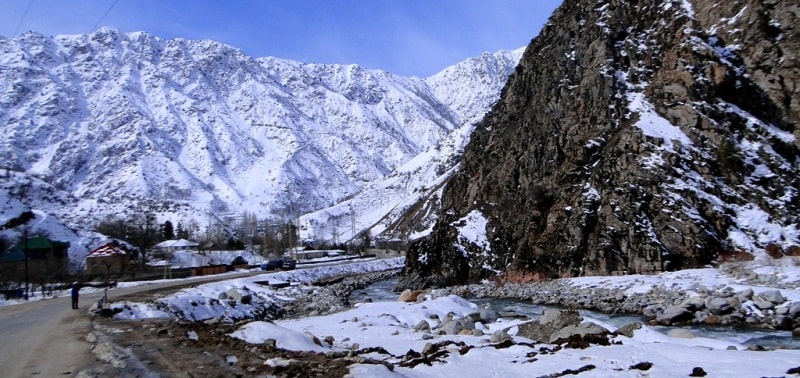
(104, 16)
(24, 15)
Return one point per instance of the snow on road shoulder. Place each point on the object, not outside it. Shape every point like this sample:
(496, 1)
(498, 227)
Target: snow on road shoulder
(223, 299)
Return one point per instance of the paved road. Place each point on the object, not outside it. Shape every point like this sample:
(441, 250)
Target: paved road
(47, 338)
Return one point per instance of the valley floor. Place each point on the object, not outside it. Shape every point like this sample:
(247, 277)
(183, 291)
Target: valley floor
(323, 336)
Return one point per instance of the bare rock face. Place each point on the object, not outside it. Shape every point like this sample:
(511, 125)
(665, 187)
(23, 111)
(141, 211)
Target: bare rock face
(634, 136)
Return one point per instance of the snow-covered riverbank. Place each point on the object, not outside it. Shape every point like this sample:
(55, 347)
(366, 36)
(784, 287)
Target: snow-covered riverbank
(420, 339)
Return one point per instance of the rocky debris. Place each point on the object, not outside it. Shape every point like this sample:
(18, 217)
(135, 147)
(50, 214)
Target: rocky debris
(331, 298)
(712, 306)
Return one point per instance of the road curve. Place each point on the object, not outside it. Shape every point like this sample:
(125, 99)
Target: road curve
(47, 338)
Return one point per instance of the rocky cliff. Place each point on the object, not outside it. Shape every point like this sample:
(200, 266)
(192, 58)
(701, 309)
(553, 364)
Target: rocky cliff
(634, 136)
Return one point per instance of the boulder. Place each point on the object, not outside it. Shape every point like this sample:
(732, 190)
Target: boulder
(674, 314)
(455, 326)
(745, 295)
(794, 309)
(422, 326)
(718, 306)
(582, 330)
(773, 296)
(628, 329)
(499, 336)
(762, 303)
(550, 322)
(409, 295)
(694, 303)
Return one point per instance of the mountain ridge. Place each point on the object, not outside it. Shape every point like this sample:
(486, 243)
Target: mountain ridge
(130, 123)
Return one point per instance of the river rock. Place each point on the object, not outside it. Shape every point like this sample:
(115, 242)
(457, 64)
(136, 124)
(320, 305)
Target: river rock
(694, 304)
(550, 322)
(455, 326)
(762, 303)
(583, 329)
(674, 314)
(422, 326)
(628, 329)
(488, 315)
(794, 309)
(409, 295)
(718, 306)
(500, 336)
(745, 295)
(783, 323)
(773, 296)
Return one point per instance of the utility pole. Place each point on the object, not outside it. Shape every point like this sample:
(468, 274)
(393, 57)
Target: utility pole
(25, 251)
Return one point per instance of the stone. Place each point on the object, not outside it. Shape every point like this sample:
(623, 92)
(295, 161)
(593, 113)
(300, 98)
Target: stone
(488, 315)
(745, 294)
(694, 304)
(762, 303)
(233, 295)
(455, 326)
(422, 326)
(783, 323)
(628, 329)
(583, 329)
(794, 309)
(409, 295)
(773, 296)
(499, 336)
(674, 314)
(718, 306)
(549, 323)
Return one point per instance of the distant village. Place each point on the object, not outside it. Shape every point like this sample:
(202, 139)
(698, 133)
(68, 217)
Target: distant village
(40, 264)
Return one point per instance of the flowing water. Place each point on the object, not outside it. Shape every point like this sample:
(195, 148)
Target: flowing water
(753, 338)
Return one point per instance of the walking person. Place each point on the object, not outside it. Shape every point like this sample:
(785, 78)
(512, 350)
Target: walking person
(75, 292)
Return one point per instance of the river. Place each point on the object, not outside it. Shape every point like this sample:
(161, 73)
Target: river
(753, 338)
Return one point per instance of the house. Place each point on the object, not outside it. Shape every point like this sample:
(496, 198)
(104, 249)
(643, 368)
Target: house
(175, 245)
(106, 260)
(46, 259)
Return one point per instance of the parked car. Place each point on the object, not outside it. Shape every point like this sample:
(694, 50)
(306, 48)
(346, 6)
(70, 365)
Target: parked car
(289, 264)
(272, 265)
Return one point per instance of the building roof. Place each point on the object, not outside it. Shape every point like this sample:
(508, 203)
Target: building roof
(106, 251)
(39, 243)
(180, 243)
(12, 255)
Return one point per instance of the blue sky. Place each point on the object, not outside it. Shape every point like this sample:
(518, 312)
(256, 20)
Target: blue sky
(404, 37)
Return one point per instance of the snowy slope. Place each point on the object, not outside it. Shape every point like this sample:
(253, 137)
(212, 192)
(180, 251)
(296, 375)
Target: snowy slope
(118, 124)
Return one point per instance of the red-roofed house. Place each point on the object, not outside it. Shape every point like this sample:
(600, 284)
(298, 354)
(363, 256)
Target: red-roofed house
(106, 260)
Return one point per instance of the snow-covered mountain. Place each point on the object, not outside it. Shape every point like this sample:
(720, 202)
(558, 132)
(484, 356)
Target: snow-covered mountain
(118, 124)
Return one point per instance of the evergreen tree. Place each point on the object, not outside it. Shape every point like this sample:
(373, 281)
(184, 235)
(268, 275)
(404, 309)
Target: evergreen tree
(167, 231)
